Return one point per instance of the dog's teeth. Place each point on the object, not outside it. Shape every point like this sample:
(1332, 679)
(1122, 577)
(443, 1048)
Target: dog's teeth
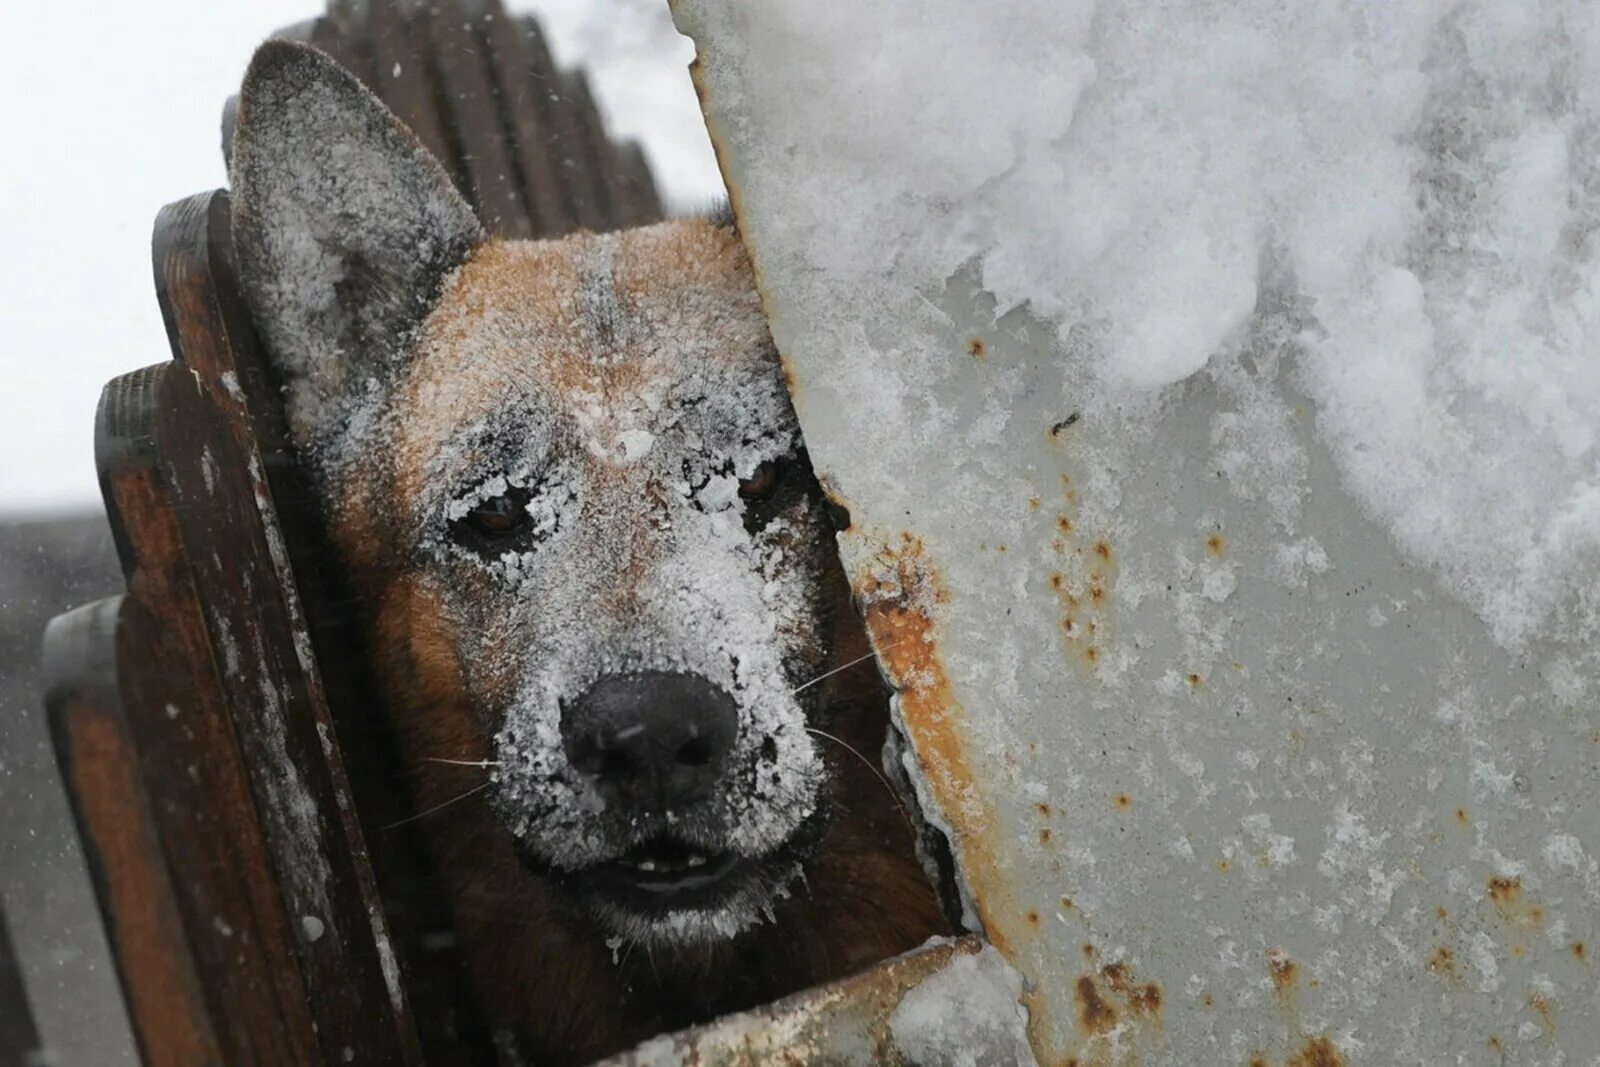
(697, 861)
(646, 865)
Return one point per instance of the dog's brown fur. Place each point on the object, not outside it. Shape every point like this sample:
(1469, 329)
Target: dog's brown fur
(542, 966)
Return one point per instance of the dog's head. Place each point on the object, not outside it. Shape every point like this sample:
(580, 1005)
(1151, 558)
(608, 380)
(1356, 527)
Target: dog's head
(571, 475)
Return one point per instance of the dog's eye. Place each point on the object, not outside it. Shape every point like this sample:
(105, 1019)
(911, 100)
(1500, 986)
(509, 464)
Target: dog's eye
(500, 515)
(762, 481)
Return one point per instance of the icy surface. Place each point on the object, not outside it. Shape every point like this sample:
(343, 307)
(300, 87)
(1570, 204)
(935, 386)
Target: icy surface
(1215, 383)
(1423, 178)
(965, 1015)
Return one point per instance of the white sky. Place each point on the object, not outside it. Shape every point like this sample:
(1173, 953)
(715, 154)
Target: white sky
(111, 112)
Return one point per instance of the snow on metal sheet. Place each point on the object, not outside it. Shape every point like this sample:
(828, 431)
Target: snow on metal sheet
(946, 1004)
(1265, 734)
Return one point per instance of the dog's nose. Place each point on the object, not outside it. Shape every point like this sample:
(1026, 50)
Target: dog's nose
(651, 740)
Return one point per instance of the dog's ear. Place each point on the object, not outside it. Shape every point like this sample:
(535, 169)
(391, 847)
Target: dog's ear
(345, 227)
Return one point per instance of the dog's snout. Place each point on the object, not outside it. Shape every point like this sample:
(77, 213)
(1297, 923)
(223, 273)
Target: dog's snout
(652, 740)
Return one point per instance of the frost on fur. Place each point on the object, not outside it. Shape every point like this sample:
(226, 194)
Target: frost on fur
(345, 227)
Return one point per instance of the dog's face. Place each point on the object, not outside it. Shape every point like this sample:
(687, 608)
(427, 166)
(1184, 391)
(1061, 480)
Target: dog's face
(572, 476)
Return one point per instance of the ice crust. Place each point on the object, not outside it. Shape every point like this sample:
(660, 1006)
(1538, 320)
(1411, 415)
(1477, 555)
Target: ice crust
(965, 1015)
(1420, 181)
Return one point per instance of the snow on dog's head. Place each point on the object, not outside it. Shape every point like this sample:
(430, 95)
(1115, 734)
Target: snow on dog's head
(578, 461)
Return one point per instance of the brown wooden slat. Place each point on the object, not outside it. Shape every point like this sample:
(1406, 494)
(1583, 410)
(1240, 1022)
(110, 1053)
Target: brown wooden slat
(244, 580)
(472, 115)
(402, 80)
(168, 689)
(589, 141)
(168, 1005)
(582, 189)
(516, 89)
(639, 203)
(19, 1037)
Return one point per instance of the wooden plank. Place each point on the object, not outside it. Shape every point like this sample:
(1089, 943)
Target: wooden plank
(169, 1007)
(168, 687)
(19, 1037)
(244, 580)
(582, 188)
(403, 81)
(473, 117)
(516, 87)
(589, 141)
(639, 202)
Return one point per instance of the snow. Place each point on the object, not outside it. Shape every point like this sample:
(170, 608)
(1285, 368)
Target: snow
(964, 1015)
(1420, 181)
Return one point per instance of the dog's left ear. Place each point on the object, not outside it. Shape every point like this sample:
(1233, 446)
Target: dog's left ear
(345, 228)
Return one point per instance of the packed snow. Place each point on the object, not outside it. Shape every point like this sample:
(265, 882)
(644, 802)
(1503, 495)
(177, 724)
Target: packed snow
(1420, 180)
(965, 1015)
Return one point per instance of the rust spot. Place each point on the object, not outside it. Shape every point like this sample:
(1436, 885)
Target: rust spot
(1504, 891)
(1033, 502)
(1146, 1000)
(1285, 972)
(1215, 545)
(1097, 593)
(1057, 581)
(1258, 1060)
(1443, 961)
(1043, 809)
(1044, 836)
(1088, 950)
(1195, 681)
(1223, 865)
(1208, 1000)
(1512, 904)
(1461, 816)
(1066, 902)
(1318, 1052)
(976, 348)
(898, 591)
(1117, 974)
(1539, 1003)
(1123, 801)
(1069, 421)
(1091, 654)
(1102, 550)
(1097, 1016)
(1063, 524)
(1494, 1043)
(1032, 916)
(1579, 950)
(1443, 912)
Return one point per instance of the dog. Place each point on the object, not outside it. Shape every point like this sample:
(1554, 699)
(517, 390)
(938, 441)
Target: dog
(598, 580)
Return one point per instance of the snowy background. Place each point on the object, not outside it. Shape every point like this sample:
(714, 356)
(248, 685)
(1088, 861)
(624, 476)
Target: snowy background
(112, 113)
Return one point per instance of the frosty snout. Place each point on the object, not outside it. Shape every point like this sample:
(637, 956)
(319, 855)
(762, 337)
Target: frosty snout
(650, 741)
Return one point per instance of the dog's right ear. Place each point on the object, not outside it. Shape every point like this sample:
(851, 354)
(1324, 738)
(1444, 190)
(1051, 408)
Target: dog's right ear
(345, 228)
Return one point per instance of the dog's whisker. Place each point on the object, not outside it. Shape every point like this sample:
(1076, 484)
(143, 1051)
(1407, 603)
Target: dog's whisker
(480, 787)
(842, 667)
(875, 771)
(462, 762)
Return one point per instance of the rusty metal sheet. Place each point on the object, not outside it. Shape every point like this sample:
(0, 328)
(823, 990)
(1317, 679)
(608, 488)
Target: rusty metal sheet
(1222, 790)
(949, 1002)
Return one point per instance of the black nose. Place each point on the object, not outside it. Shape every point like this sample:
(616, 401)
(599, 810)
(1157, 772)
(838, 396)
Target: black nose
(651, 740)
